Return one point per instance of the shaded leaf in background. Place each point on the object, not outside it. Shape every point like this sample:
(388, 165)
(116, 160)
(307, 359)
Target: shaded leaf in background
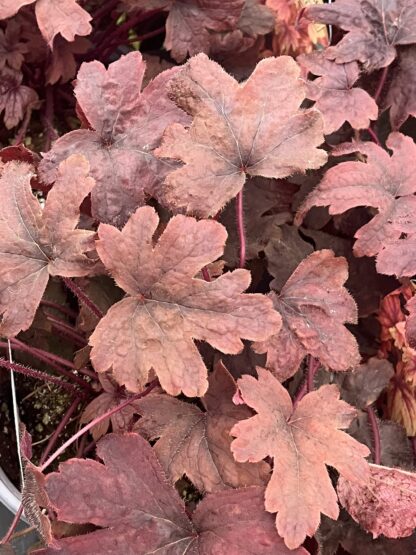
(401, 93)
(386, 505)
(356, 541)
(267, 204)
(53, 16)
(36, 243)
(335, 95)
(302, 441)
(189, 24)
(385, 182)
(167, 308)
(395, 451)
(12, 49)
(197, 443)
(253, 129)
(314, 306)
(374, 28)
(15, 98)
(126, 125)
(149, 516)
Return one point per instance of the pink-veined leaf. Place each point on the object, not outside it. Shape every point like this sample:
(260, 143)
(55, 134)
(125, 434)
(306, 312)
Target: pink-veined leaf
(139, 513)
(385, 182)
(53, 16)
(374, 29)
(302, 441)
(238, 130)
(126, 125)
(167, 307)
(335, 95)
(197, 443)
(36, 243)
(401, 92)
(314, 306)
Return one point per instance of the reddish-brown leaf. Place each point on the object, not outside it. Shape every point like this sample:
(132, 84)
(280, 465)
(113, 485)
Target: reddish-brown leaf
(36, 243)
(302, 441)
(12, 49)
(314, 306)
(189, 24)
(15, 98)
(375, 28)
(385, 182)
(53, 16)
(335, 95)
(401, 93)
(386, 505)
(167, 308)
(256, 128)
(197, 443)
(126, 125)
(139, 513)
(411, 322)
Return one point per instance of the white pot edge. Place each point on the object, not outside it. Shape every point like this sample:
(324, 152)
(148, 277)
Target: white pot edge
(10, 496)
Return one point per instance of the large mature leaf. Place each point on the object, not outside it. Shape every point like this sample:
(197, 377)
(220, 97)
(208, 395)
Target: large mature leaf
(167, 308)
(197, 443)
(401, 93)
(139, 513)
(375, 28)
(385, 182)
(301, 441)
(126, 125)
(336, 97)
(36, 243)
(314, 306)
(256, 128)
(15, 98)
(53, 16)
(386, 505)
(190, 22)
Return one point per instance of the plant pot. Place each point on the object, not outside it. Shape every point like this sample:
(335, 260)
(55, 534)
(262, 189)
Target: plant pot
(10, 497)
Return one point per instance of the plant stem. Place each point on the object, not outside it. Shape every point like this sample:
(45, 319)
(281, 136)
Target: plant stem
(50, 132)
(60, 308)
(205, 274)
(12, 527)
(240, 228)
(307, 385)
(20, 137)
(59, 429)
(381, 83)
(67, 331)
(373, 135)
(49, 359)
(37, 374)
(372, 419)
(96, 421)
(82, 297)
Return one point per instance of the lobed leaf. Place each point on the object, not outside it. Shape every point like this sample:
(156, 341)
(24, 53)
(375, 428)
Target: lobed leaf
(302, 441)
(197, 443)
(314, 307)
(166, 308)
(36, 243)
(125, 127)
(256, 129)
(139, 513)
(385, 182)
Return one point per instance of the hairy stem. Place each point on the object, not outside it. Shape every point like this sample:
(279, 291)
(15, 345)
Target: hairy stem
(373, 135)
(50, 132)
(372, 419)
(96, 421)
(49, 359)
(240, 227)
(67, 330)
(63, 309)
(20, 137)
(65, 419)
(83, 297)
(38, 375)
